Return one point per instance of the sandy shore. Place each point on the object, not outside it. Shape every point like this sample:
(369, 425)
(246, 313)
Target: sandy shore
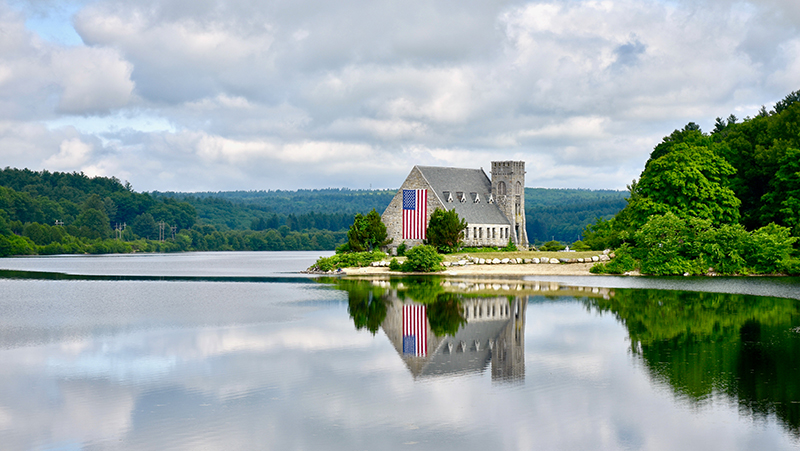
(570, 269)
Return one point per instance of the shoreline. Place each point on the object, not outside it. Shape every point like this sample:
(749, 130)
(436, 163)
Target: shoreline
(506, 270)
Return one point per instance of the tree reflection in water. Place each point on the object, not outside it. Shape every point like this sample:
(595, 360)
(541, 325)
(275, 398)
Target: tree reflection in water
(704, 344)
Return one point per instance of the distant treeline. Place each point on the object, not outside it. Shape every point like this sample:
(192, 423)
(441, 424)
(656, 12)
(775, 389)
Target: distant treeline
(559, 213)
(563, 214)
(328, 201)
(53, 213)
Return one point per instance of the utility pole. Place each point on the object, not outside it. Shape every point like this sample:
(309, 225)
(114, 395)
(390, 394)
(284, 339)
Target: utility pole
(59, 223)
(119, 228)
(173, 229)
(161, 231)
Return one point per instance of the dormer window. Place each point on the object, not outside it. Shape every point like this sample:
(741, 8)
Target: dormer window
(448, 196)
(461, 197)
(477, 197)
(491, 198)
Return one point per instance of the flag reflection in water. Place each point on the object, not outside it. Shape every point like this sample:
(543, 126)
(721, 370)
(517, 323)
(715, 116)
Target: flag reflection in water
(415, 330)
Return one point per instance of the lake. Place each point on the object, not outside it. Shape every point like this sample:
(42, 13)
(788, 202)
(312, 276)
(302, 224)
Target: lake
(241, 351)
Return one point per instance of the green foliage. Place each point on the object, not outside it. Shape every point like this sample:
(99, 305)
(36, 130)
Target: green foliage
(347, 260)
(445, 314)
(394, 265)
(622, 262)
(580, 246)
(16, 245)
(366, 304)
(604, 234)
(704, 344)
(552, 246)
(445, 230)
(689, 180)
(93, 223)
(510, 247)
(401, 249)
(772, 245)
(565, 213)
(782, 204)
(669, 245)
(367, 233)
(423, 258)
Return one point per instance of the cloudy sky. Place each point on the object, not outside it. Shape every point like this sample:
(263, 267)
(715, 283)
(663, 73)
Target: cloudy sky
(194, 95)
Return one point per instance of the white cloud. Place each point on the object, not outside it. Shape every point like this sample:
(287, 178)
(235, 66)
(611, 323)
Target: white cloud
(240, 94)
(72, 154)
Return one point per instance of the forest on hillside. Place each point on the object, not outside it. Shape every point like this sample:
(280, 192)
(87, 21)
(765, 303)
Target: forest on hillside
(724, 202)
(65, 213)
(52, 212)
(560, 214)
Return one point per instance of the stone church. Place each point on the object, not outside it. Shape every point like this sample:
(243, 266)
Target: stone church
(494, 209)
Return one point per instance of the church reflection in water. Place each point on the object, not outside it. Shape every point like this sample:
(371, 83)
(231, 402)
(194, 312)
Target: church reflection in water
(493, 333)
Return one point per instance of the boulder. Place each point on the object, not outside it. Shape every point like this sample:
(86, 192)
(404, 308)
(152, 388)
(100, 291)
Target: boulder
(496, 261)
(481, 261)
(595, 258)
(604, 258)
(554, 261)
(505, 261)
(535, 260)
(545, 260)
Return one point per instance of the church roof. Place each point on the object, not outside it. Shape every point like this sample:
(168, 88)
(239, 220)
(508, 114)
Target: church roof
(470, 182)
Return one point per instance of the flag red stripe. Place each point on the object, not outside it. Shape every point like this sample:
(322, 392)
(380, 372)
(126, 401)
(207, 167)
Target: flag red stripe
(415, 323)
(415, 221)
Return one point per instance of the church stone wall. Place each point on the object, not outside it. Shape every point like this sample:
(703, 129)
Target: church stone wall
(393, 215)
(480, 235)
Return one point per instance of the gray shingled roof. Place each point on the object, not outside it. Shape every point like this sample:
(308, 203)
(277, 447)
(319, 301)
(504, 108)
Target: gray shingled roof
(467, 181)
(442, 362)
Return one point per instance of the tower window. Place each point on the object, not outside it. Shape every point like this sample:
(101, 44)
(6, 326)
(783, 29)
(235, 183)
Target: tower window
(501, 188)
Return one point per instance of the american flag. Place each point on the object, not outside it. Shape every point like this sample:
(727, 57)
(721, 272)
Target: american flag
(415, 209)
(415, 330)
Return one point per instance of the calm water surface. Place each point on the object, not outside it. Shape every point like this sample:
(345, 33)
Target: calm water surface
(239, 351)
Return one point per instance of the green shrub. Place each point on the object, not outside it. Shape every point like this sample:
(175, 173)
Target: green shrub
(510, 247)
(725, 248)
(772, 244)
(622, 262)
(579, 246)
(552, 246)
(401, 249)
(348, 260)
(669, 245)
(394, 265)
(790, 266)
(16, 245)
(423, 258)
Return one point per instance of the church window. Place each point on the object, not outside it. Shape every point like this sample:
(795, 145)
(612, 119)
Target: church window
(501, 188)
(518, 188)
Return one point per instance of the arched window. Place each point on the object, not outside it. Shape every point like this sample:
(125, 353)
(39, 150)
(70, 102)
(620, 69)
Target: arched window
(518, 188)
(501, 188)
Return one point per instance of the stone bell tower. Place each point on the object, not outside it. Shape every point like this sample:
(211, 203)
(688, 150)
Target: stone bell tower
(508, 188)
